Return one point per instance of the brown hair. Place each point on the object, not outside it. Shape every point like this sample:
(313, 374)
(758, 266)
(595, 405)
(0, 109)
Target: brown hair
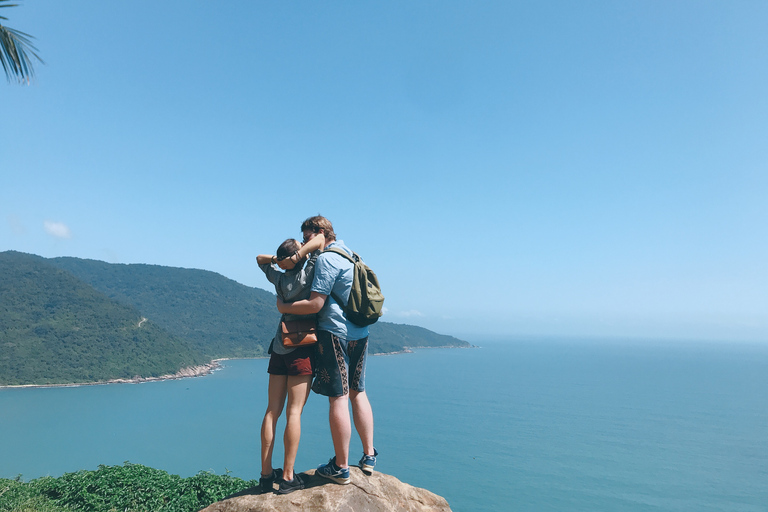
(288, 248)
(318, 222)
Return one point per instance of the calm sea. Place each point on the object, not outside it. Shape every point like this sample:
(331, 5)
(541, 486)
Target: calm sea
(523, 425)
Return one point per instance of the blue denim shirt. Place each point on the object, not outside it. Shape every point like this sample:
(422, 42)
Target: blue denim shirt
(333, 273)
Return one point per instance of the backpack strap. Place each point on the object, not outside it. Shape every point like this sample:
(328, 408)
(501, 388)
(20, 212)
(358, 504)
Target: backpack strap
(353, 259)
(342, 252)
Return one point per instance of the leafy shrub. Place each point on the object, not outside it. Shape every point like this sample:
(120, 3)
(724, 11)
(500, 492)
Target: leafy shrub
(126, 488)
(16, 496)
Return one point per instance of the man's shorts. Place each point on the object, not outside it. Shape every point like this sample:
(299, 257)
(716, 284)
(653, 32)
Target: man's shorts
(340, 365)
(296, 362)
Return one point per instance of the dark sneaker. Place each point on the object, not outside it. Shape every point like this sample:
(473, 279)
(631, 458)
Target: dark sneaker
(333, 472)
(368, 462)
(294, 485)
(265, 482)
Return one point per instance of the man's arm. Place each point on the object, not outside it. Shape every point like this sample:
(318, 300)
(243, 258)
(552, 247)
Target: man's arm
(308, 306)
(318, 242)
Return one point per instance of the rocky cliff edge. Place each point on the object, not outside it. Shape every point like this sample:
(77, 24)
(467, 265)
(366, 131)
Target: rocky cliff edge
(370, 493)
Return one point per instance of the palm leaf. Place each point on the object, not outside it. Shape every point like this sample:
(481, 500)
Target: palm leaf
(16, 51)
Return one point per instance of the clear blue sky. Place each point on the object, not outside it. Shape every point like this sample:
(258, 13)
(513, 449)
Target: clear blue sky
(595, 168)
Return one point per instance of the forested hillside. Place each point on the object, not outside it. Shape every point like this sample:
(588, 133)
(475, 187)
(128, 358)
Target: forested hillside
(387, 337)
(56, 329)
(221, 317)
(73, 320)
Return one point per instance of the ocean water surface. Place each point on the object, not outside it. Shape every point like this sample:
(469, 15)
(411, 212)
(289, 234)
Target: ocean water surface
(529, 425)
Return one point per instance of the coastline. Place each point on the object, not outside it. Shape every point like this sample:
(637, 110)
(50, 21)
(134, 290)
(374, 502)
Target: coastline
(190, 371)
(409, 350)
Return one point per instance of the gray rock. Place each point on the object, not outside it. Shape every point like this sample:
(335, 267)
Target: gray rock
(375, 493)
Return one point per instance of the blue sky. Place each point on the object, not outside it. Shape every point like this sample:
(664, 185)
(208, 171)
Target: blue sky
(561, 168)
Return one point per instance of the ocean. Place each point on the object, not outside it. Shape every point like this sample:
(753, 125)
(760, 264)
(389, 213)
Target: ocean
(519, 425)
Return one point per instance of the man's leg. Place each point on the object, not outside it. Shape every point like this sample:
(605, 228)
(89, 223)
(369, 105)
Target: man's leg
(331, 381)
(363, 415)
(341, 429)
(298, 391)
(361, 407)
(277, 391)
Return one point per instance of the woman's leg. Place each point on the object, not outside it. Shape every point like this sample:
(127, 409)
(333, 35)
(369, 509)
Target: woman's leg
(278, 385)
(298, 391)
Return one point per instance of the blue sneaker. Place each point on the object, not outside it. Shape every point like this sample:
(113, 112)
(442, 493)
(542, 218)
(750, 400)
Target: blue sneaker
(333, 472)
(368, 462)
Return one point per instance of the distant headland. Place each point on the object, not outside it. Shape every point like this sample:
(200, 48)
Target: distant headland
(72, 321)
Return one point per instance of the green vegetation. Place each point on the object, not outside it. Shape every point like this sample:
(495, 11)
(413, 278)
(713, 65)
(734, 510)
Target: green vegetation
(387, 338)
(220, 317)
(70, 320)
(129, 488)
(55, 329)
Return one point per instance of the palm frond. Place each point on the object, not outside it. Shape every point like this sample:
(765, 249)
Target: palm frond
(4, 3)
(16, 51)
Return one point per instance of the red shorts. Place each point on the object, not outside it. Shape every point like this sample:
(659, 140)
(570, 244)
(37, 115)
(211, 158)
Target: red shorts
(297, 362)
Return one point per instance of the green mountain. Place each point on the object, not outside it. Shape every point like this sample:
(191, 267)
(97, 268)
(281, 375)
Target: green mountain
(68, 320)
(220, 317)
(56, 329)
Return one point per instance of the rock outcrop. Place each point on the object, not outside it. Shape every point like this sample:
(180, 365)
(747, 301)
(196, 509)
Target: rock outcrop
(370, 493)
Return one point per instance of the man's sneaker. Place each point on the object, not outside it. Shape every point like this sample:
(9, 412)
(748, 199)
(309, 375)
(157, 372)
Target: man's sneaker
(368, 462)
(333, 472)
(265, 482)
(294, 485)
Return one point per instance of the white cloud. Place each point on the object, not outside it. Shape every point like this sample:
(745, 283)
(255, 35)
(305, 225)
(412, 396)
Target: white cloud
(57, 229)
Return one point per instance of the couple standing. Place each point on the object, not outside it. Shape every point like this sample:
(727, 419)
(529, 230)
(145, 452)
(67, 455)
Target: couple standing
(311, 280)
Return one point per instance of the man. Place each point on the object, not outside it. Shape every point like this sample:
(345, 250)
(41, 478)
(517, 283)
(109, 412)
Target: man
(342, 352)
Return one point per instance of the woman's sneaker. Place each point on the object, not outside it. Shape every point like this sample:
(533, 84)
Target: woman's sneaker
(368, 462)
(265, 482)
(294, 485)
(333, 472)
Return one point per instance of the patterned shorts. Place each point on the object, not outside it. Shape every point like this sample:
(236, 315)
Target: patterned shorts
(340, 365)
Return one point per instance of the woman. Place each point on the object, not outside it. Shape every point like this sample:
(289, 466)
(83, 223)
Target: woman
(290, 368)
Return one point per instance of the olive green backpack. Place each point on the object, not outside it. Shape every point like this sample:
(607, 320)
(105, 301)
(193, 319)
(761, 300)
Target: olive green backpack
(366, 301)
